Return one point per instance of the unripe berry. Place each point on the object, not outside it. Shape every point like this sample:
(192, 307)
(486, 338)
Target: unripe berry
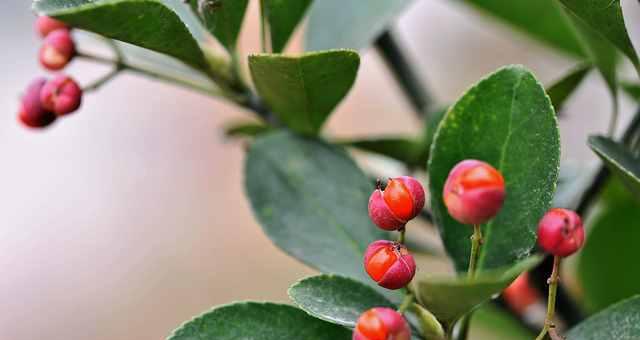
(62, 95)
(46, 25)
(399, 202)
(57, 50)
(474, 192)
(32, 113)
(381, 323)
(389, 264)
(560, 232)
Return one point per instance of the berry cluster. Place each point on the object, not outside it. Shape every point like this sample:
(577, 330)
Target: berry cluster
(45, 100)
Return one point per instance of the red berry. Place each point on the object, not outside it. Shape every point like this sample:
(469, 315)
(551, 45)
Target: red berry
(560, 232)
(57, 50)
(32, 113)
(62, 95)
(389, 264)
(474, 192)
(46, 25)
(381, 323)
(520, 295)
(399, 202)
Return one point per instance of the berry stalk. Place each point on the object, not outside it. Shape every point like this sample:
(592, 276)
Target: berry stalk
(551, 302)
(476, 242)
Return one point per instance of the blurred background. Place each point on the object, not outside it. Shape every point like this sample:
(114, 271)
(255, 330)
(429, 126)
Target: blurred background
(129, 217)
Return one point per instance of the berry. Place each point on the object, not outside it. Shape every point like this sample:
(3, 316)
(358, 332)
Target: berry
(46, 25)
(389, 264)
(381, 323)
(474, 192)
(32, 113)
(520, 295)
(560, 232)
(57, 50)
(399, 202)
(62, 95)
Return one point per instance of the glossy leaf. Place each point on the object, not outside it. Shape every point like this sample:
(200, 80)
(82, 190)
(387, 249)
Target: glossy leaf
(620, 322)
(451, 298)
(258, 321)
(563, 88)
(146, 23)
(506, 120)
(303, 90)
(349, 24)
(223, 18)
(311, 200)
(336, 299)
(621, 161)
(615, 227)
(541, 19)
(246, 129)
(605, 17)
(283, 16)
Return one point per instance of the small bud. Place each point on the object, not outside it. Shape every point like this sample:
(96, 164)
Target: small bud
(401, 201)
(474, 192)
(57, 50)
(46, 25)
(389, 264)
(62, 95)
(32, 113)
(560, 232)
(381, 323)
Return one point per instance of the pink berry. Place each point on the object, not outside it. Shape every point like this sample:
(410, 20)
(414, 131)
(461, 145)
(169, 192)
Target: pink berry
(389, 264)
(381, 323)
(57, 50)
(46, 25)
(399, 202)
(32, 114)
(62, 95)
(560, 232)
(474, 192)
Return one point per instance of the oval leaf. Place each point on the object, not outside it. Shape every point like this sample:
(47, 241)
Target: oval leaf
(223, 18)
(562, 89)
(620, 322)
(336, 299)
(349, 24)
(303, 90)
(146, 23)
(282, 17)
(311, 200)
(508, 121)
(619, 160)
(258, 321)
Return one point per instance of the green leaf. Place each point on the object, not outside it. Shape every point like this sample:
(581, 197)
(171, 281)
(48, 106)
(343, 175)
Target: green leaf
(223, 18)
(146, 23)
(336, 299)
(608, 276)
(349, 24)
(258, 321)
(621, 161)
(303, 90)
(605, 17)
(311, 200)
(507, 121)
(282, 18)
(402, 149)
(246, 129)
(562, 89)
(631, 89)
(541, 19)
(490, 322)
(619, 322)
(451, 298)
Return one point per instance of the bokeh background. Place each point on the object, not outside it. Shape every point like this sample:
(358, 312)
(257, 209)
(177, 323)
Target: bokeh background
(129, 217)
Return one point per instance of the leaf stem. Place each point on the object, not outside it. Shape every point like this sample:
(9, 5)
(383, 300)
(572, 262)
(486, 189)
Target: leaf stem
(476, 242)
(551, 302)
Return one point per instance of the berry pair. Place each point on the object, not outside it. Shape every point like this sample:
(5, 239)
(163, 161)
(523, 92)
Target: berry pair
(44, 101)
(58, 47)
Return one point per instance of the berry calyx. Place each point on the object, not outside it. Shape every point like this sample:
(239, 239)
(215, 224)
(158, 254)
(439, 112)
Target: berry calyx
(57, 50)
(32, 114)
(474, 192)
(46, 25)
(62, 95)
(389, 264)
(381, 323)
(560, 232)
(399, 202)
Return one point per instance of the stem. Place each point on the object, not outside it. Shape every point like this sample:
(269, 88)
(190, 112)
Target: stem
(404, 73)
(476, 241)
(613, 121)
(407, 301)
(401, 236)
(551, 302)
(265, 30)
(103, 80)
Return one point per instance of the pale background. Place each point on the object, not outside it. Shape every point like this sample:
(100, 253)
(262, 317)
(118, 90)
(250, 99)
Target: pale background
(129, 217)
